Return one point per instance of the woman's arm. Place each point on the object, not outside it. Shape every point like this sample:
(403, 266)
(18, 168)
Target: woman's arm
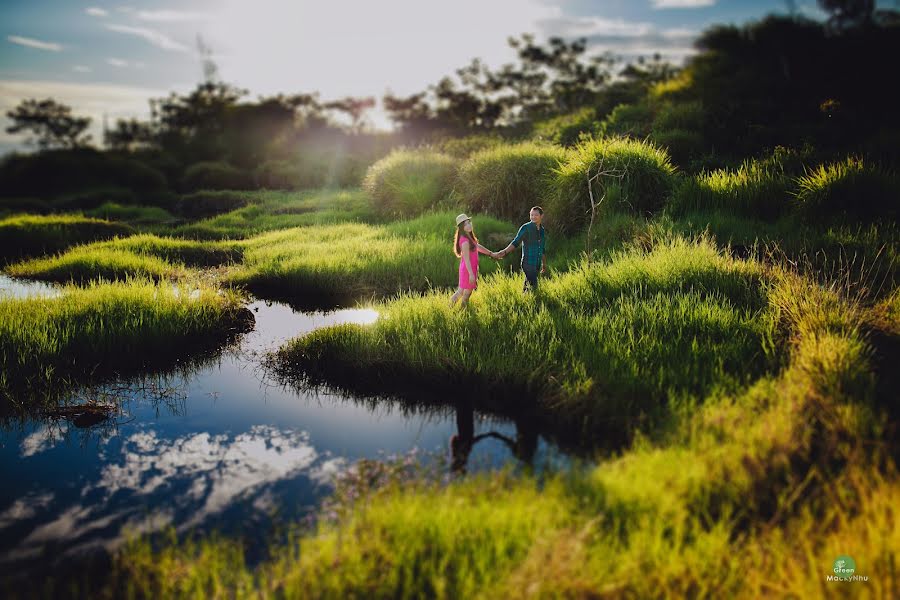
(483, 250)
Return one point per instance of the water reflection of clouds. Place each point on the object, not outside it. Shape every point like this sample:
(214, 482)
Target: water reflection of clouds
(187, 480)
(43, 438)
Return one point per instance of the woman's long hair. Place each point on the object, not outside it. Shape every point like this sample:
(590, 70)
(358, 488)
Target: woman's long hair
(460, 233)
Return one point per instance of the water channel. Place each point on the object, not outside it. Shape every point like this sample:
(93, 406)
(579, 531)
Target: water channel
(221, 447)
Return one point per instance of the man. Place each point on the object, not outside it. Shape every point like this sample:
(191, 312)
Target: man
(532, 237)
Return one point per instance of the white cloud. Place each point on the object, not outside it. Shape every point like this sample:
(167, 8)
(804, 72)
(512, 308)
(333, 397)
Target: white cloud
(117, 62)
(623, 38)
(171, 15)
(33, 43)
(96, 12)
(682, 3)
(82, 69)
(157, 38)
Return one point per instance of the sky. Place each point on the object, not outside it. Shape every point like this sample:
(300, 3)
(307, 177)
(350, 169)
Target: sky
(107, 59)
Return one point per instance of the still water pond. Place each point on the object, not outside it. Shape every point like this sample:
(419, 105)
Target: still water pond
(219, 448)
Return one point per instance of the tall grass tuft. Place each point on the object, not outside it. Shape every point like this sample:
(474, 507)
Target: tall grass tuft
(638, 177)
(849, 189)
(407, 183)
(506, 181)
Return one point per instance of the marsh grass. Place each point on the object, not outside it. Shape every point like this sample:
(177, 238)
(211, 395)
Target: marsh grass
(506, 181)
(137, 215)
(407, 183)
(756, 490)
(103, 327)
(593, 340)
(143, 255)
(849, 189)
(346, 262)
(272, 210)
(756, 189)
(645, 182)
(31, 235)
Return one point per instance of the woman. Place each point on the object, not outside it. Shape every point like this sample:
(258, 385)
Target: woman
(467, 248)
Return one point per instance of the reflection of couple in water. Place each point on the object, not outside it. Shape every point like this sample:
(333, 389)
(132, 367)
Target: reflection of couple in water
(523, 447)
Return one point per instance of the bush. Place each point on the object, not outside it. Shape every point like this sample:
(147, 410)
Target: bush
(756, 189)
(212, 175)
(506, 181)
(201, 205)
(409, 182)
(644, 188)
(848, 190)
(566, 130)
(57, 172)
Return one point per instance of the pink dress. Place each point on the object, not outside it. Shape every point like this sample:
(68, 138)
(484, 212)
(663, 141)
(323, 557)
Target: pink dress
(463, 271)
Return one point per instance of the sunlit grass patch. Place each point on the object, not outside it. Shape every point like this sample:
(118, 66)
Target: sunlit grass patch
(106, 326)
(31, 235)
(756, 189)
(849, 189)
(142, 255)
(611, 339)
(351, 260)
(271, 210)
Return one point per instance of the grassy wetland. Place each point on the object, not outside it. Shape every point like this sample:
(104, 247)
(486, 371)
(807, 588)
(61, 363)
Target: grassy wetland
(712, 346)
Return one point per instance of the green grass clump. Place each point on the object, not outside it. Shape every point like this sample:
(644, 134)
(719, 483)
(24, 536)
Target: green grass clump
(137, 215)
(30, 235)
(506, 181)
(567, 130)
(755, 190)
(634, 120)
(215, 175)
(143, 255)
(594, 339)
(849, 189)
(647, 177)
(407, 183)
(271, 210)
(352, 260)
(45, 341)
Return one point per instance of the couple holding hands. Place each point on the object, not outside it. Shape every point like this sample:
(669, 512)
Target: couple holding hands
(531, 236)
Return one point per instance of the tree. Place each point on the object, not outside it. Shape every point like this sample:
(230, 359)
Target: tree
(52, 123)
(129, 135)
(355, 108)
(846, 14)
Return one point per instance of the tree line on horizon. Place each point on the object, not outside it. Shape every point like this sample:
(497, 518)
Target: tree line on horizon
(783, 80)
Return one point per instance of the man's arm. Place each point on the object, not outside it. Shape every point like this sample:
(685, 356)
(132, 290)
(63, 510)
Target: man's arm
(515, 243)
